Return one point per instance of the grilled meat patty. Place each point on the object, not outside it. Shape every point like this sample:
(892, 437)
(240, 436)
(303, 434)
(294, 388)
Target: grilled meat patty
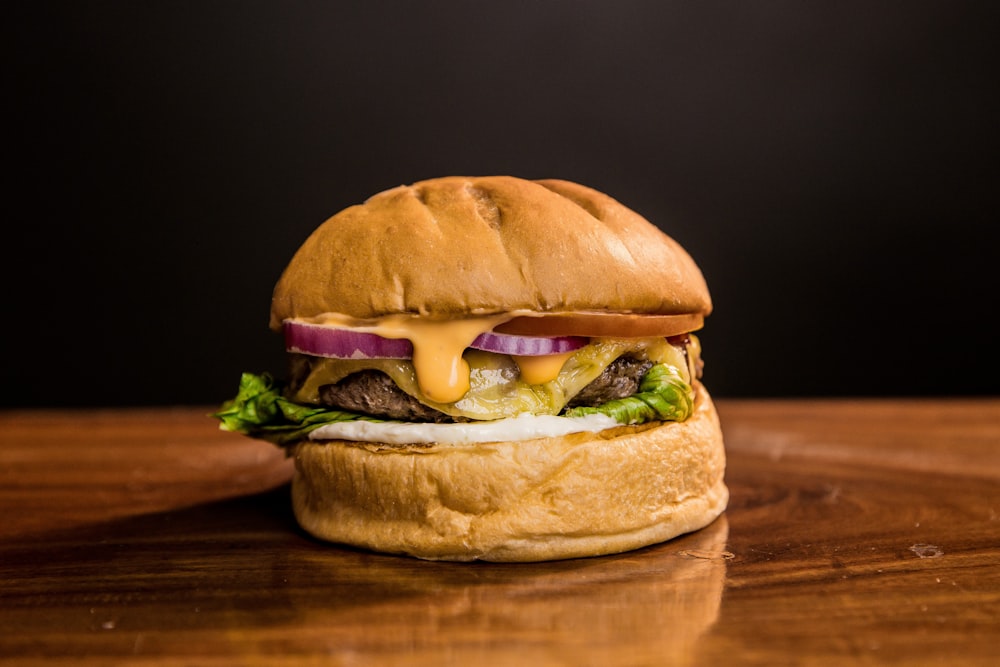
(620, 379)
(374, 393)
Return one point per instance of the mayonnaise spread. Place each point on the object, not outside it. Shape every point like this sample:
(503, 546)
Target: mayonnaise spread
(521, 427)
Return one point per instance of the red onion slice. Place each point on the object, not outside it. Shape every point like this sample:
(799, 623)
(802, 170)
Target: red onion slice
(324, 341)
(527, 346)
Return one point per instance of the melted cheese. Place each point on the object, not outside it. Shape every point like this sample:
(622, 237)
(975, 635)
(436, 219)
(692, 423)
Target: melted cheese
(541, 369)
(438, 345)
(441, 377)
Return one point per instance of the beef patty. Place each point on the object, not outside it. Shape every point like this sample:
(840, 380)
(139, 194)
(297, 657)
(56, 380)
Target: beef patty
(374, 393)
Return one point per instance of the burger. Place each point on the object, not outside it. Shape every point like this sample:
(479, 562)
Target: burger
(491, 368)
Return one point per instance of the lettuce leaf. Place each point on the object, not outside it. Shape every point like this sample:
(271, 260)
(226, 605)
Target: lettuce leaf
(260, 411)
(663, 395)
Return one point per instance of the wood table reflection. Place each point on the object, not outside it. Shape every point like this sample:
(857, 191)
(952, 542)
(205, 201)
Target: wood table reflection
(863, 531)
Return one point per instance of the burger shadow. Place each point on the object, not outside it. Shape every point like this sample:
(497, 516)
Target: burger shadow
(244, 563)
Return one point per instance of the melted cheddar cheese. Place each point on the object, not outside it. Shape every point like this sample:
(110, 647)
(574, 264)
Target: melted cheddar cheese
(447, 375)
(442, 373)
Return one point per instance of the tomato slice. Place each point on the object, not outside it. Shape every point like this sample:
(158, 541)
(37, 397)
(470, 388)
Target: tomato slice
(607, 325)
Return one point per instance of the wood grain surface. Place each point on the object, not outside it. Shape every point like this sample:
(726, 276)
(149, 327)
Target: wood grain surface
(859, 532)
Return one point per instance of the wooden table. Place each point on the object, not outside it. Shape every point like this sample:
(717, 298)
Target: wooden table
(859, 532)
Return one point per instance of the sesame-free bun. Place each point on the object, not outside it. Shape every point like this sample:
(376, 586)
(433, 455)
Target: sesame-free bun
(460, 246)
(585, 494)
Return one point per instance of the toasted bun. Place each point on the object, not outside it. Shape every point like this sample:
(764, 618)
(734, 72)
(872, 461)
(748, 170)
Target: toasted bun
(488, 245)
(581, 495)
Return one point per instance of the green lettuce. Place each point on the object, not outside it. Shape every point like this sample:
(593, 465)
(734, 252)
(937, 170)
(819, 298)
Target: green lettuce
(663, 395)
(259, 409)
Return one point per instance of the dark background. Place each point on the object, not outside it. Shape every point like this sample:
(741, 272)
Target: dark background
(831, 166)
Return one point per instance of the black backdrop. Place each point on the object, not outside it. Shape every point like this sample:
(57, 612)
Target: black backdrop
(831, 166)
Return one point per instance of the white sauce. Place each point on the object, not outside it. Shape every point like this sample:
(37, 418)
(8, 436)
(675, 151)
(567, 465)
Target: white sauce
(522, 427)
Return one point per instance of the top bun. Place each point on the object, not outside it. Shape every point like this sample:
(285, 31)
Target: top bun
(462, 246)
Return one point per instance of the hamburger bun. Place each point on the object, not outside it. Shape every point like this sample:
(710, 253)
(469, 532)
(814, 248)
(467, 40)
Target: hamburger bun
(454, 247)
(585, 494)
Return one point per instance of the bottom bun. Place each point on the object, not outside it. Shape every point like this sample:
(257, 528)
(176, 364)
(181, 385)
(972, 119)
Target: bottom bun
(585, 494)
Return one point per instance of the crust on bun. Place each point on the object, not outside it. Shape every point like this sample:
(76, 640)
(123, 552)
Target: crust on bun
(586, 494)
(488, 245)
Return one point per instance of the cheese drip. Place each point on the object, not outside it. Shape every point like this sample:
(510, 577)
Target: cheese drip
(498, 387)
(442, 373)
(541, 369)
